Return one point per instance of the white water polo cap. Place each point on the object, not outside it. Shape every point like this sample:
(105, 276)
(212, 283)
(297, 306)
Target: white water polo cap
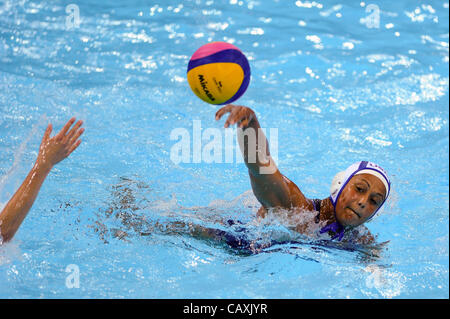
(364, 167)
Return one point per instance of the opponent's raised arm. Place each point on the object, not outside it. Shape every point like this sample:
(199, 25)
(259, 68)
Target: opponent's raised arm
(51, 151)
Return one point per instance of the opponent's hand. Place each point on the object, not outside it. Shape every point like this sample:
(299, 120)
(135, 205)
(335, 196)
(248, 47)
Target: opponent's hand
(54, 150)
(240, 115)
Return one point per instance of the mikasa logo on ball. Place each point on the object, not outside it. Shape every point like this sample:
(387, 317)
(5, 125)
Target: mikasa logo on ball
(205, 89)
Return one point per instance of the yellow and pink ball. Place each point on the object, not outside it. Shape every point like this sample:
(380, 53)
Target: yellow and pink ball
(218, 73)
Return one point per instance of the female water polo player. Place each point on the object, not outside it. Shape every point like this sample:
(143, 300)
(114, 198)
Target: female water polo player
(356, 193)
(51, 152)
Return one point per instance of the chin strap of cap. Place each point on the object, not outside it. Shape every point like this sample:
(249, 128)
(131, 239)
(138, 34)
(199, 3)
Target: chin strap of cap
(337, 228)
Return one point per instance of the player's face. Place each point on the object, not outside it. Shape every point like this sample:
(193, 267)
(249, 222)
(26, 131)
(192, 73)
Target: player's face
(359, 199)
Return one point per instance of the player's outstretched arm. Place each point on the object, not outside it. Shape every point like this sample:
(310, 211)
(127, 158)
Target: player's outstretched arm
(51, 151)
(270, 187)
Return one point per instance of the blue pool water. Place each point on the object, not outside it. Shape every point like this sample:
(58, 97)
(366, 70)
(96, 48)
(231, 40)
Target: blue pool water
(341, 81)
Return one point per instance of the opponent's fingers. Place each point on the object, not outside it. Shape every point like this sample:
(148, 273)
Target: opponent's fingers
(223, 110)
(73, 147)
(47, 133)
(66, 127)
(46, 137)
(76, 136)
(74, 130)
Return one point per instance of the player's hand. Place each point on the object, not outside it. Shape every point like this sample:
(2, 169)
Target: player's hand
(54, 150)
(240, 115)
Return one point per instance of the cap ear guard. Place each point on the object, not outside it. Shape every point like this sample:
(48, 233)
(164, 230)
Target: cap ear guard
(336, 185)
(340, 180)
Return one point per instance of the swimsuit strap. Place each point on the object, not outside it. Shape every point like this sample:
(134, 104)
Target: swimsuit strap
(316, 204)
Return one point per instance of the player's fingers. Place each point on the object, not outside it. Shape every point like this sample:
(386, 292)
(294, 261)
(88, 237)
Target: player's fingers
(46, 136)
(223, 110)
(74, 130)
(232, 118)
(73, 147)
(239, 114)
(66, 127)
(76, 136)
(228, 121)
(47, 133)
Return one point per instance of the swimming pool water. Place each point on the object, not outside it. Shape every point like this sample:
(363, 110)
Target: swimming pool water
(340, 81)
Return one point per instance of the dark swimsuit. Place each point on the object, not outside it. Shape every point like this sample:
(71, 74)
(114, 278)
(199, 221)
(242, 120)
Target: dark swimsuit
(238, 237)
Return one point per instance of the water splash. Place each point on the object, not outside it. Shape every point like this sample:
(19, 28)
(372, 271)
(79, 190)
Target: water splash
(387, 283)
(20, 152)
